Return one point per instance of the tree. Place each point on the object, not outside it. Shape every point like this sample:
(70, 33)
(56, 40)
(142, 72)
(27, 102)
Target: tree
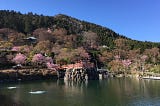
(48, 60)
(38, 59)
(121, 44)
(143, 60)
(116, 66)
(60, 32)
(43, 47)
(106, 56)
(64, 56)
(52, 66)
(19, 58)
(5, 45)
(152, 54)
(90, 39)
(16, 48)
(28, 24)
(126, 64)
(43, 35)
(81, 54)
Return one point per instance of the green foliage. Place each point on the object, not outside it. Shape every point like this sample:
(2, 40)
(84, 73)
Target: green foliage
(23, 23)
(27, 23)
(155, 69)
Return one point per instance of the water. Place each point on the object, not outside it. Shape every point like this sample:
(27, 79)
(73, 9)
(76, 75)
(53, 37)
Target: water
(110, 92)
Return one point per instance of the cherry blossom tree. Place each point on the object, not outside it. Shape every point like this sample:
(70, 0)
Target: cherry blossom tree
(48, 60)
(81, 52)
(152, 54)
(90, 39)
(38, 58)
(144, 57)
(126, 64)
(117, 57)
(16, 48)
(43, 46)
(52, 66)
(142, 63)
(115, 66)
(64, 56)
(19, 58)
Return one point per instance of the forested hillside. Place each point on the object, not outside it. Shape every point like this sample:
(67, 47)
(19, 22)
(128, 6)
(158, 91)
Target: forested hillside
(27, 23)
(68, 40)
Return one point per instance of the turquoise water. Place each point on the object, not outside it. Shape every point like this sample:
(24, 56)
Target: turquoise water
(110, 92)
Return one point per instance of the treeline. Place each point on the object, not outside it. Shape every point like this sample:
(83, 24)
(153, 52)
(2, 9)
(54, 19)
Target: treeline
(25, 23)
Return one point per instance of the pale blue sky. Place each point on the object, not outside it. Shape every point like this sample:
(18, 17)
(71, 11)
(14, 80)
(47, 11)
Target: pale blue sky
(136, 19)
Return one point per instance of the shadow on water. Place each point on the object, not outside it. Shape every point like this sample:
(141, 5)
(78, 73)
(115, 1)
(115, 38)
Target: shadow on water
(8, 101)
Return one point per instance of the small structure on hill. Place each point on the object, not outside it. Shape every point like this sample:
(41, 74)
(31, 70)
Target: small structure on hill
(30, 40)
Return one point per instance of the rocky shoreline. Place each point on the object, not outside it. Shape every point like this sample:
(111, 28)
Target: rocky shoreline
(12, 75)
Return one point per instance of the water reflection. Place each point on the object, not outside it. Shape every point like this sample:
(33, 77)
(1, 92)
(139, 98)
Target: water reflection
(76, 88)
(110, 92)
(9, 101)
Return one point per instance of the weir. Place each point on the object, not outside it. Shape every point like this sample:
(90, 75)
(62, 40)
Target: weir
(83, 74)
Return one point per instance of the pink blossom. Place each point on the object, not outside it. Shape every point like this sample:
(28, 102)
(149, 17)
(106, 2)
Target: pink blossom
(84, 55)
(26, 49)
(51, 66)
(49, 59)
(144, 57)
(126, 63)
(19, 59)
(16, 48)
(117, 57)
(38, 58)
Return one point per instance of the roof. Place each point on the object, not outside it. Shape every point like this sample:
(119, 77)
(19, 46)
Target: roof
(31, 38)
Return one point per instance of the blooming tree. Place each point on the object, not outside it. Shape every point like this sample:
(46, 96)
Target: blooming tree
(48, 60)
(81, 53)
(115, 66)
(19, 58)
(16, 48)
(117, 57)
(143, 60)
(144, 57)
(126, 63)
(38, 58)
(52, 66)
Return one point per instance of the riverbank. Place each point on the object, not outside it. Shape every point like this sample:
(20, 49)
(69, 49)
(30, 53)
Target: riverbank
(11, 75)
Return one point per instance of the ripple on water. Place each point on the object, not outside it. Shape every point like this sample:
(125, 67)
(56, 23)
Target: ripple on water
(37, 92)
(12, 87)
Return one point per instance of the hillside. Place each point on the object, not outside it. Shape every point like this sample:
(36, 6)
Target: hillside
(27, 23)
(68, 39)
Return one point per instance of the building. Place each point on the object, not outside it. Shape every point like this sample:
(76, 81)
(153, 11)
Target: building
(30, 40)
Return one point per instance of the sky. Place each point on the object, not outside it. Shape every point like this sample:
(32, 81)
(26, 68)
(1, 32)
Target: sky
(136, 19)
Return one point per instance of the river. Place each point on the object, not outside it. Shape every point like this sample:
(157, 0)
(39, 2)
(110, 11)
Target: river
(109, 92)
